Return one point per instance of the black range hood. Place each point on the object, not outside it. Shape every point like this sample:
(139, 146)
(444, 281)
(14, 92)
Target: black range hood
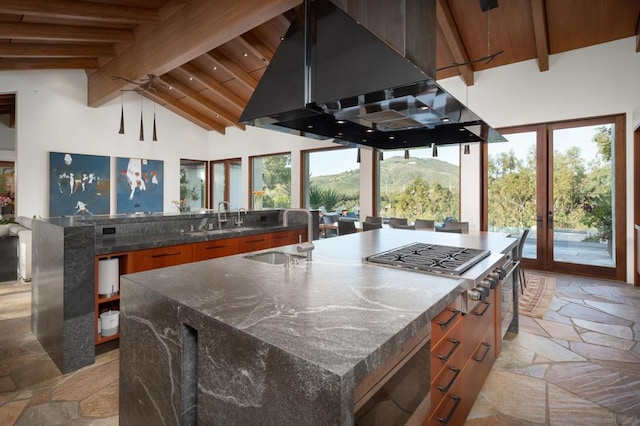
(331, 78)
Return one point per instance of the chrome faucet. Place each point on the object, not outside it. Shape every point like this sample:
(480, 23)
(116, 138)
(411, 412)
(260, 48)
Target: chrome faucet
(239, 221)
(220, 219)
(302, 247)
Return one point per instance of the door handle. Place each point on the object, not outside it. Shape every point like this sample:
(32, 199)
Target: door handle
(539, 221)
(550, 220)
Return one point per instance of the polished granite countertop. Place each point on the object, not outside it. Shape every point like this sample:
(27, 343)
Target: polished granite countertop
(123, 243)
(337, 311)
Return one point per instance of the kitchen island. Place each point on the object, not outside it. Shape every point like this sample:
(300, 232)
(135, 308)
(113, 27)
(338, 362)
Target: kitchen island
(238, 341)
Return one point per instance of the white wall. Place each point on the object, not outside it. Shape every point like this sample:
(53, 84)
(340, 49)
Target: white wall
(51, 115)
(595, 81)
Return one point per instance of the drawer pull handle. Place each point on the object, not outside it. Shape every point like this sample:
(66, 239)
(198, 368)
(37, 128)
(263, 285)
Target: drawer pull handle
(486, 352)
(486, 306)
(446, 323)
(173, 253)
(445, 420)
(456, 373)
(446, 357)
(216, 247)
(255, 241)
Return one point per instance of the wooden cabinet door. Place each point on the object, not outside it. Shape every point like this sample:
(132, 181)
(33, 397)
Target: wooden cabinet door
(254, 242)
(284, 238)
(213, 249)
(145, 260)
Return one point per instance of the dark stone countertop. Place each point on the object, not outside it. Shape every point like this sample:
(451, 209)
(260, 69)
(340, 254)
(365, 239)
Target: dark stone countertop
(337, 312)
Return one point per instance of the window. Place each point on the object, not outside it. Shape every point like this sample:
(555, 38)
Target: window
(193, 182)
(421, 186)
(226, 182)
(332, 180)
(271, 182)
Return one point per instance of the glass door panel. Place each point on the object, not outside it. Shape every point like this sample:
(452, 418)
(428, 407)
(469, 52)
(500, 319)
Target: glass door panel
(235, 184)
(581, 207)
(218, 183)
(512, 188)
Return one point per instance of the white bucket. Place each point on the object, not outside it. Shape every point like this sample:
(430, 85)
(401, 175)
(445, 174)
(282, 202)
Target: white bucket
(108, 277)
(109, 322)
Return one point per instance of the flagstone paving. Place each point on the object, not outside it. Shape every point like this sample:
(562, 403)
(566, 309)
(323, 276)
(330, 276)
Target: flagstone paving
(579, 365)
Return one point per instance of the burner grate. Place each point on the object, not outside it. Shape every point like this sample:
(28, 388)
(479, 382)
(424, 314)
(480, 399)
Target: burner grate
(431, 258)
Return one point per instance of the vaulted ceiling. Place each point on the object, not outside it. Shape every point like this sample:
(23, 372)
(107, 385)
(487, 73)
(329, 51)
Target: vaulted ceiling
(210, 55)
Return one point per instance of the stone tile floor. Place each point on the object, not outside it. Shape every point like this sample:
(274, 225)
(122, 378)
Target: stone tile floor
(579, 365)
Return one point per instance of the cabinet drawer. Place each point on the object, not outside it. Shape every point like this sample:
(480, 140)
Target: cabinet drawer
(477, 322)
(477, 369)
(254, 242)
(447, 349)
(213, 249)
(446, 320)
(450, 411)
(284, 238)
(449, 379)
(144, 260)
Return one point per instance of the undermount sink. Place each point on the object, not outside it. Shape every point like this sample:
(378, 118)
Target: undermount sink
(275, 257)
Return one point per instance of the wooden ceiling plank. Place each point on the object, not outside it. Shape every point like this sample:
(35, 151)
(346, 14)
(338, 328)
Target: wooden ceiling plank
(190, 32)
(58, 63)
(541, 34)
(183, 110)
(23, 31)
(214, 86)
(255, 47)
(451, 33)
(43, 50)
(176, 84)
(86, 11)
(230, 67)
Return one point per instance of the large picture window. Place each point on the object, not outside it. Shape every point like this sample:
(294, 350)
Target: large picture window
(332, 180)
(193, 185)
(271, 182)
(421, 185)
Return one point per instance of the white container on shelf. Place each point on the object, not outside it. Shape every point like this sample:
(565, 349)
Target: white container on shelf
(109, 320)
(108, 277)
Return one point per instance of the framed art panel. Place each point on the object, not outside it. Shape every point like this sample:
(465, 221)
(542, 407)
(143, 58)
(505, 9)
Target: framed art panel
(78, 184)
(140, 185)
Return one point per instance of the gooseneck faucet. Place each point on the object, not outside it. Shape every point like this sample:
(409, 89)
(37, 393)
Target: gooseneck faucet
(222, 220)
(302, 247)
(239, 221)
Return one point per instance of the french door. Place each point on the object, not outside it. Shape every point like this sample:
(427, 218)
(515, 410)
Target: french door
(565, 182)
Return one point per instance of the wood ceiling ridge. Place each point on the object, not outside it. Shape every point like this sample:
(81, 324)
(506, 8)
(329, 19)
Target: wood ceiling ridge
(541, 33)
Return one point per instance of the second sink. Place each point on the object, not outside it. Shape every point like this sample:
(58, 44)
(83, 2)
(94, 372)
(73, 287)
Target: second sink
(275, 257)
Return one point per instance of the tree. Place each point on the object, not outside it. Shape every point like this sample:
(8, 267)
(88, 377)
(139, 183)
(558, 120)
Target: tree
(427, 200)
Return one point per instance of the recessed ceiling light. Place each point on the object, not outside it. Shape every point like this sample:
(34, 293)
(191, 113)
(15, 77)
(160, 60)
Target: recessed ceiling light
(190, 78)
(215, 68)
(364, 140)
(423, 108)
(309, 126)
(341, 121)
(392, 137)
(170, 87)
(369, 130)
(446, 119)
(281, 38)
(246, 54)
(339, 134)
(461, 129)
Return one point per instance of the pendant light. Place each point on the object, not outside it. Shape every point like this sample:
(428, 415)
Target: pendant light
(467, 150)
(141, 127)
(435, 150)
(358, 156)
(155, 134)
(406, 154)
(121, 114)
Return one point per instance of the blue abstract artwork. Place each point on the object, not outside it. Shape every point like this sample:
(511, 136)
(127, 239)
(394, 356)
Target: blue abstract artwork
(78, 184)
(140, 185)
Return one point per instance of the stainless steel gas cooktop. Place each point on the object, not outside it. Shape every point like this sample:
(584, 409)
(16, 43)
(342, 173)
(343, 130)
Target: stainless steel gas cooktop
(431, 258)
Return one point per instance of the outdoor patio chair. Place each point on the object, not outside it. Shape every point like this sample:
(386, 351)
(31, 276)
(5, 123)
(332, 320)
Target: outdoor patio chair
(395, 221)
(346, 227)
(424, 224)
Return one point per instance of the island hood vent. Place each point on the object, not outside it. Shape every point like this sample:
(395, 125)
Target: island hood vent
(331, 78)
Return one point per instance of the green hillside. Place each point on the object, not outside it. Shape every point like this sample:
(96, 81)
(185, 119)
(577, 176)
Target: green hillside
(395, 173)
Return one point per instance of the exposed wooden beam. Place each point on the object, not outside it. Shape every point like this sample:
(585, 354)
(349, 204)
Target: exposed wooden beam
(190, 32)
(86, 11)
(23, 31)
(232, 68)
(449, 29)
(214, 86)
(39, 64)
(185, 111)
(255, 46)
(176, 84)
(539, 15)
(44, 50)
